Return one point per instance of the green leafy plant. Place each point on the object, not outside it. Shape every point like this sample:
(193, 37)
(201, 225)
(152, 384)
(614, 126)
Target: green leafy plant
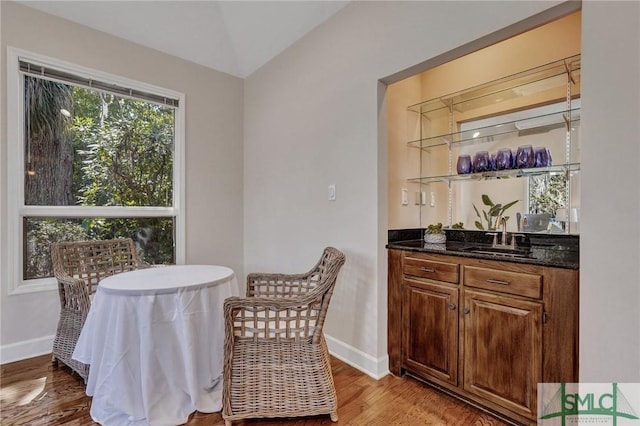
(458, 225)
(494, 215)
(435, 229)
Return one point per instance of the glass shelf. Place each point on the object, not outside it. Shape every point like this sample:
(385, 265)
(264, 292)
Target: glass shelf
(538, 107)
(500, 174)
(536, 80)
(504, 129)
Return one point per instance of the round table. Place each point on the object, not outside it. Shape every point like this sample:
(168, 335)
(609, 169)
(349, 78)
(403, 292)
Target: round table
(154, 340)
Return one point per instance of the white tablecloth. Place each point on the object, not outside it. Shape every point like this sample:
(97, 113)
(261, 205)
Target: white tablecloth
(154, 339)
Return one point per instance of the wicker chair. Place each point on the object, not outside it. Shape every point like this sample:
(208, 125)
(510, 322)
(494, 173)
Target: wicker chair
(276, 362)
(79, 267)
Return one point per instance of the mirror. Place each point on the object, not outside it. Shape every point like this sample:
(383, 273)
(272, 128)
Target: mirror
(544, 202)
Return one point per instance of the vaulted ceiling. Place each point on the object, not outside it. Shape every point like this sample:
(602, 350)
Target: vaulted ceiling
(235, 37)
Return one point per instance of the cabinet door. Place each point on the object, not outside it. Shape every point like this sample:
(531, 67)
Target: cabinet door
(503, 350)
(430, 316)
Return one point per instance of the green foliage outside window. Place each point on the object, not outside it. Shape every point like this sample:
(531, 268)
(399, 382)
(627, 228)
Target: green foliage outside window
(89, 148)
(125, 151)
(547, 193)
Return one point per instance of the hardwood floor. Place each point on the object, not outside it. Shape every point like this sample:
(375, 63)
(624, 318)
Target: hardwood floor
(35, 392)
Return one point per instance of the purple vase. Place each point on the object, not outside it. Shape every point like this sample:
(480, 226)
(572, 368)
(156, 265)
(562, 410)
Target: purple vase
(541, 157)
(464, 165)
(492, 162)
(504, 159)
(481, 161)
(525, 157)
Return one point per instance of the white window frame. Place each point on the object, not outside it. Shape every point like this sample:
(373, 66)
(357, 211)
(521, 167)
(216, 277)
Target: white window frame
(16, 208)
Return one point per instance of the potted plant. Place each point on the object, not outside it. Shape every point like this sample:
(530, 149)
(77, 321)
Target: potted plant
(493, 215)
(434, 234)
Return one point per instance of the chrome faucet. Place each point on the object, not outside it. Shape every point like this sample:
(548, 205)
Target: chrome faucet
(503, 222)
(505, 235)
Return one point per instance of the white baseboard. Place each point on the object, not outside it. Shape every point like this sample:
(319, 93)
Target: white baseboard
(26, 349)
(376, 368)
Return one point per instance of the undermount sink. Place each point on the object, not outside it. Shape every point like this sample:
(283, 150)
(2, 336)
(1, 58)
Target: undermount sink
(499, 251)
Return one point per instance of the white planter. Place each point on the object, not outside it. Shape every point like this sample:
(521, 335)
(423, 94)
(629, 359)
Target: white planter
(435, 238)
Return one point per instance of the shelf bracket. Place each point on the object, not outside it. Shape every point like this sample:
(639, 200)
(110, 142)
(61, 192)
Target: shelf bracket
(569, 72)
(567, 121)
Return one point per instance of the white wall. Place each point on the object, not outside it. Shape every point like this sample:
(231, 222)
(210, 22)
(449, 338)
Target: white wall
(610, 214)
(311, 119)
(214, 155)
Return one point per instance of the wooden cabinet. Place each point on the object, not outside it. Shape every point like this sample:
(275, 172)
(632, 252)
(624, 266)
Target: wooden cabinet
(430, 339)
(503, 350)
(487, 331)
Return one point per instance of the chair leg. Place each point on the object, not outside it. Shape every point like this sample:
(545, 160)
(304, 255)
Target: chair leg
(334, 416)
(227, 423)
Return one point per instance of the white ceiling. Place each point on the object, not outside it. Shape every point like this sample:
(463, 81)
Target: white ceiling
(235, 37)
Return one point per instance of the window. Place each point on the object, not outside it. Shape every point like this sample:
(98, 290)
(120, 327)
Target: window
(91, 156)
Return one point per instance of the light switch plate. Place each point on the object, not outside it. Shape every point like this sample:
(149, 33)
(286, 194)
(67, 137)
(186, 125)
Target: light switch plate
(332, 192)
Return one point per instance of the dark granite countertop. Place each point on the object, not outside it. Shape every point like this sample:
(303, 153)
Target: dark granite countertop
(556, 250)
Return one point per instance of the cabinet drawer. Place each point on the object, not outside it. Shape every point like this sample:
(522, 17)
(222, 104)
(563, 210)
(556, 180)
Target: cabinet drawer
(439, 271)
(520, 283)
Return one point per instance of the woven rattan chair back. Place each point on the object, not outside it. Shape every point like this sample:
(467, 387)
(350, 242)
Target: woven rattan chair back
(79, 267)
(279, 325)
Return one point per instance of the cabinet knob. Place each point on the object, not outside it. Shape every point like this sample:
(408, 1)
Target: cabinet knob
(466, 310)
(452, 306)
